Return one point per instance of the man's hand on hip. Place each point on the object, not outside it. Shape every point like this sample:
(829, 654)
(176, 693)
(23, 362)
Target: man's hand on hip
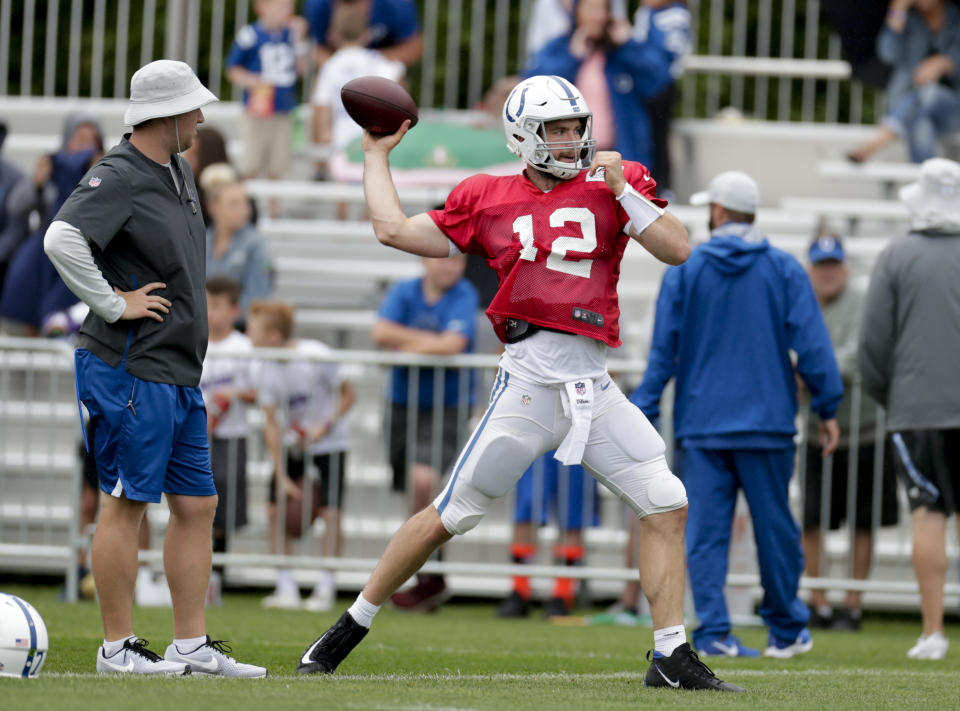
(142, 304)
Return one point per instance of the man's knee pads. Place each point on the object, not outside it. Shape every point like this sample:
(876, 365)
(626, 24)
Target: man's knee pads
(464, 509)
(666, 492)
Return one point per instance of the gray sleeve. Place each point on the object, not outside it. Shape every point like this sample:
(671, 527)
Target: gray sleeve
(877, 336)
(24, 197)
(70, 253)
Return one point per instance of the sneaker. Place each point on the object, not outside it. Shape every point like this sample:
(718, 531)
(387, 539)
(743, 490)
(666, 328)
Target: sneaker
(322, 600)
(729, 646)
(326, 652)
(821, 617)
(134, 658)
(282, 600)
(845, 618)
(427, 595)
(683, 670)
(514, 606)
(933, 646)
(785, 649)
(556, 607)
(150, 591)
(211, 658)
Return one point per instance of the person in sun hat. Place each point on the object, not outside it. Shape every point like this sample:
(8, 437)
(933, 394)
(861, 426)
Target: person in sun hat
(726, 323)
(909, 342)
(130, 242)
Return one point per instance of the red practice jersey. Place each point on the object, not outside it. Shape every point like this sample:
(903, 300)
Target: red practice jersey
(557, 254)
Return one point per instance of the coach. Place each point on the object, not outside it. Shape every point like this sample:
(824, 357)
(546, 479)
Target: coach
(909, 343)
(130, 242)
(725, 325)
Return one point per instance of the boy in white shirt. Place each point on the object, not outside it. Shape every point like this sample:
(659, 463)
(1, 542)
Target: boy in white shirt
(312, 399)
(228, 389)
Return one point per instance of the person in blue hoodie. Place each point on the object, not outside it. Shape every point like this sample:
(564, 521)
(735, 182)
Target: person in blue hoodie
(726, 323)
(615, 72)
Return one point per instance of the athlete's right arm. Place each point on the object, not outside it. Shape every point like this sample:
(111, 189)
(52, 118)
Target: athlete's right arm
(418, 234)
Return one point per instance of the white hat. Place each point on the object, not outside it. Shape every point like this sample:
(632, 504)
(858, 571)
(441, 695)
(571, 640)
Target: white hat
(731, 189)
(164, 88)
(934, 200)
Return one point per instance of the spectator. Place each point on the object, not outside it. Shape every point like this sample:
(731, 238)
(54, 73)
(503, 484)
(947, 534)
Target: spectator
(392, 27)
(552, 18)
(431, 315)
(572, 494)
(33, 290)
(615, 72)
(313, 398)
(235, 248)
(13, 228)
(664, 24)
(228, 387)
(265, 60)
(332, 125)
(842, 306)
(207, 150)
(725, 324)
(908, 355)
(921, 39)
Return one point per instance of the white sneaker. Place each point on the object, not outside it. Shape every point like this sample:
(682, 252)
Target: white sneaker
(134, 658)
(211, 658)
(282, 600)
(782, 649)
(150, 592)
(931, 647)
(322, 600)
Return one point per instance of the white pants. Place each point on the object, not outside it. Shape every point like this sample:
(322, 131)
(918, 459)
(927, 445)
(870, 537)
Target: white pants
(624, 452)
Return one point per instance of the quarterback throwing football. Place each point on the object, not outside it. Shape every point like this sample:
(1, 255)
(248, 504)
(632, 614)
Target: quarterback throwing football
(555, 235)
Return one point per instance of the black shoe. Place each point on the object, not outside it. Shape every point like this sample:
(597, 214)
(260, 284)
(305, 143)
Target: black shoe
(515, 605)
(818, 619)
(846, 619)
(556, 607)
(327, 651)
(684, 670)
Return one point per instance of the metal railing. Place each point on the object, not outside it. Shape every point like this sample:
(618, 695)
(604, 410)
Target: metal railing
(770, 59)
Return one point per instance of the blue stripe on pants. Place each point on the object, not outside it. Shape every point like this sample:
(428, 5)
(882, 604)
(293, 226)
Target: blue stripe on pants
(712, 478)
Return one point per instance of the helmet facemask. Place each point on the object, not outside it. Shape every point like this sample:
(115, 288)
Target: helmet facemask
(542, 155)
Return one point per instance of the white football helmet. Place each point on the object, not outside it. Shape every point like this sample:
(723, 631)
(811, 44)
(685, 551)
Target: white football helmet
(536, 101)
(23, 638)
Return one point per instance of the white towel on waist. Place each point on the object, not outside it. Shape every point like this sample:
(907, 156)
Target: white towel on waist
(577, 401)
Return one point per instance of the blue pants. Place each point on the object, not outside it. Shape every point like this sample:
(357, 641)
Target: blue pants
(569, 492)
(712, 478)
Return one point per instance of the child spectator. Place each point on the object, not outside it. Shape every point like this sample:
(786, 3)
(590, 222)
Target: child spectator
(265, 60)
(228, 387)
(311, 398)
(235, 248)
(332, 125)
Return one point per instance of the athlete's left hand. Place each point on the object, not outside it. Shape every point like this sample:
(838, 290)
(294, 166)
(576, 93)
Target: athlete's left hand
(612, 164)
(829, 436)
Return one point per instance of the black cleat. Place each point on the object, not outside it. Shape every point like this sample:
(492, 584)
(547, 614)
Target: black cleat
(327, 651)
(684, 670)
(556, 607)
(515, 606)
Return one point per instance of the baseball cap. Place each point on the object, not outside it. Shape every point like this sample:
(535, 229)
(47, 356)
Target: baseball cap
(731, 189)
(934, 200)
(826, 247)
(164, 88)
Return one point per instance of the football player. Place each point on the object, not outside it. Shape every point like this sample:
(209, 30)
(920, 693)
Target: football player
(555, 235)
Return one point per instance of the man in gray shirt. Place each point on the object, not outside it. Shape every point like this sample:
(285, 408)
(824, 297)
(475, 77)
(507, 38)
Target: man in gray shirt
(129, 241)
(908, 357)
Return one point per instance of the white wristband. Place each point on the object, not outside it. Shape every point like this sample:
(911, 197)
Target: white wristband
(641, 211)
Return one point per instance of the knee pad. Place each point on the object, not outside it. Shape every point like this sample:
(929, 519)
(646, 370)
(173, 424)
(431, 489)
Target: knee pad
(648, 487)
(463, 509)
(666, 492)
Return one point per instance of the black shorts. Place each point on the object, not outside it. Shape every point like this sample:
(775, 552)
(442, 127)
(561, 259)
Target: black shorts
(928, 464)
(223, 453)
(451, 437)
(813, 485)
(332, 469)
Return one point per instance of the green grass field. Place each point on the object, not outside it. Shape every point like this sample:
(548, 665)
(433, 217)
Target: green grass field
(464, 658)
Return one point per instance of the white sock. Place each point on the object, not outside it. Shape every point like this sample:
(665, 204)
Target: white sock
(286, 581)
(362, 611)
(111, 648)
(187, 646)
(667, 639)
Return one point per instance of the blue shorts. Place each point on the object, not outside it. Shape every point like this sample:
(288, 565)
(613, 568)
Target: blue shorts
(151, 438)
(569, 492)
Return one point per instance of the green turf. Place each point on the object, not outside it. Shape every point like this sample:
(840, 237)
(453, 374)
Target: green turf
(464, 658)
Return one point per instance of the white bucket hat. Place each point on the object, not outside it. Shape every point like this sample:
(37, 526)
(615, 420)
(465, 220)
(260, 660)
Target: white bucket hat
(934, 200)
(164, 88)
(731, 189)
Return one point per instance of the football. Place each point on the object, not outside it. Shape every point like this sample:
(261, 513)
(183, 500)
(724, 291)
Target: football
(379, 105)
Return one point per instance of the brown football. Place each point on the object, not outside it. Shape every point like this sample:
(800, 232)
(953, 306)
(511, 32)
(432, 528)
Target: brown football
(379, 105)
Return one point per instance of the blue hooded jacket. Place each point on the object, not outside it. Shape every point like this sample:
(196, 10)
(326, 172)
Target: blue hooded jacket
(726, 322)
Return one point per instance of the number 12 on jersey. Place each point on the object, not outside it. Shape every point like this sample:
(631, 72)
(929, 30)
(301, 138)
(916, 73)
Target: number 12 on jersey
(523, 228)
